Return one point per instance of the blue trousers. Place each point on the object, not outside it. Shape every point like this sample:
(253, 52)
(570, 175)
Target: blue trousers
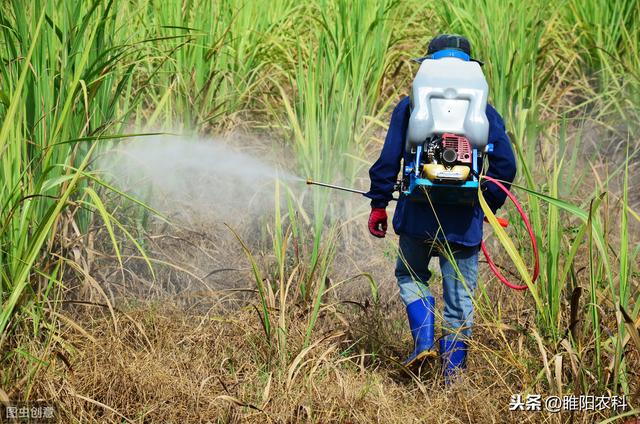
(412, 273)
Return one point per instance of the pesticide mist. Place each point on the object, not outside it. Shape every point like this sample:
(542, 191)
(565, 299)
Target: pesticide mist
(194, 179)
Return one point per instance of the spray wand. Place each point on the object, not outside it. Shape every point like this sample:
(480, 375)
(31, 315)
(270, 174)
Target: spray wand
(335, 187)
(501, 221)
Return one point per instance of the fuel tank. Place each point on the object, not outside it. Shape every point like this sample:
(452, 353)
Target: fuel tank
(449, 95)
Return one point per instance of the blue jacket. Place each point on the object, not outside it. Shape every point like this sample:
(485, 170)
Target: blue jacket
(460, 224)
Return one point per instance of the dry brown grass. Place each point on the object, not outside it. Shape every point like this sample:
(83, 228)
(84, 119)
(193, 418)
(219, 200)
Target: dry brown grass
(190, 347)
(165, 364)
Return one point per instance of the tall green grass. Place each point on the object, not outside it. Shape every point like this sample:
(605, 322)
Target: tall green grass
(525, 70)
(606, 37)
(336, 86)
(210, 60)
(65, 84)
(59, 71)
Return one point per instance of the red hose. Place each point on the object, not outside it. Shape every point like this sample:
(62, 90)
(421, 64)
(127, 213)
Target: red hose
(493, 267)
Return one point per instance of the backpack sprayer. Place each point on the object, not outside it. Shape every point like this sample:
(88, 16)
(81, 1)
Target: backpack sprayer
(447, 134)
(448, 130)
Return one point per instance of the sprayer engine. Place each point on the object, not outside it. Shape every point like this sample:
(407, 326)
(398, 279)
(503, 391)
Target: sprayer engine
(447, 159)
(445, 167)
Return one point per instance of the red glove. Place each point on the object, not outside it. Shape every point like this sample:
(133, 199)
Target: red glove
(378, 222)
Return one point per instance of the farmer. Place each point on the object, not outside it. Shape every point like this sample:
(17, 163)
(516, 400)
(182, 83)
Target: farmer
(423, 231)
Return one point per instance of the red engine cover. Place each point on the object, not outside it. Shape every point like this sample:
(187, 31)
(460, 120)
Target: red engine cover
(460, 145)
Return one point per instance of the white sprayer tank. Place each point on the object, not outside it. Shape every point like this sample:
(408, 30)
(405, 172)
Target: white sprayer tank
(449, 95)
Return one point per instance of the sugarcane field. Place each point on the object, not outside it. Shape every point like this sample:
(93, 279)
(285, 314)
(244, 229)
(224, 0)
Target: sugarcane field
(322, 211)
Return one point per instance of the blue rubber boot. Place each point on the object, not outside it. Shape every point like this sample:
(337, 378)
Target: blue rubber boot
(421, 315)
(454, 358)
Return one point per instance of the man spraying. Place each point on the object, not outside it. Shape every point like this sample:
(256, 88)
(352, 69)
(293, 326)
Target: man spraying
(447, 225)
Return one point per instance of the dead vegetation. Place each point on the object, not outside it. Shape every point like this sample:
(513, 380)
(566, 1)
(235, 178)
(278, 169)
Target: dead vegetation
(193, 353)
